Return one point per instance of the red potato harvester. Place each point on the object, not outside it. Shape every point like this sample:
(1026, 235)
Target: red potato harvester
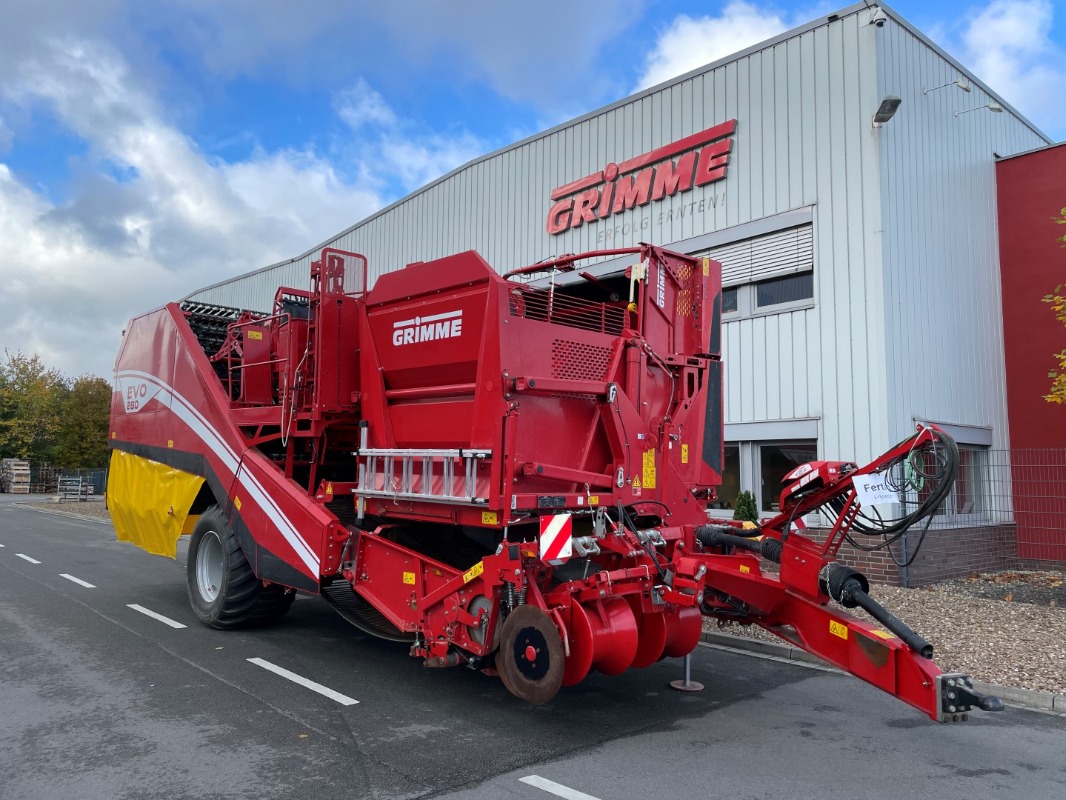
(509, 473)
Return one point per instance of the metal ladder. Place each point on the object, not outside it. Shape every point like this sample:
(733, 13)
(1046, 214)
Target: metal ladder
(378, 467)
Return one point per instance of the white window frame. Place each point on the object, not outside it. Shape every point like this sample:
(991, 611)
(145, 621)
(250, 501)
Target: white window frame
(749, 437)
(977, 440)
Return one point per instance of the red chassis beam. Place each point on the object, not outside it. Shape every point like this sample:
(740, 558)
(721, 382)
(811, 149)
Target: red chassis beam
(729, 584)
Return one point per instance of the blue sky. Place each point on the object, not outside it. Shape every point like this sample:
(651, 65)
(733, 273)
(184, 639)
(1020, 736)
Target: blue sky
(147, 149)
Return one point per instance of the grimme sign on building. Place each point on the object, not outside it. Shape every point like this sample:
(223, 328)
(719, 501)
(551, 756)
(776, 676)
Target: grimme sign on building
(702, 159)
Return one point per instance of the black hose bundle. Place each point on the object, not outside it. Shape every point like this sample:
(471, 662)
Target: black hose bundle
(927, 473)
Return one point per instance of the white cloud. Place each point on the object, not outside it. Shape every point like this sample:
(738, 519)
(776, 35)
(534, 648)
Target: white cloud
(689, 43)
(1008, 45)
(390, 147)
(176, 220)
(545, 53)
(362, 105)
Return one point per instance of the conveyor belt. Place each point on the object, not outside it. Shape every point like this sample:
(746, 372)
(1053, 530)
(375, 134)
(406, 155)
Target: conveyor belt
(361, 614)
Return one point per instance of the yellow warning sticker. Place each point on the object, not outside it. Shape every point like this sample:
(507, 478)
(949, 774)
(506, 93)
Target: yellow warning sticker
(649, 469)
(409, 578)
(113, 434)
(489, 518)
(636, 484)
(473, 572)
(257, 335)
(594, 499)
(706, 267)
(684, 454)
(838, 629)
(170, 443)
(329, 488)
(882, 634)
(237, 502)
(745, 568)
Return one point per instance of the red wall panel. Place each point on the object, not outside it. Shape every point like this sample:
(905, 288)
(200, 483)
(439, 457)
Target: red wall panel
(1031, 191)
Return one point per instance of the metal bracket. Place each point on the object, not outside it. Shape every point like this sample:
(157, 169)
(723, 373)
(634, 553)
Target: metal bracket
(956, 698)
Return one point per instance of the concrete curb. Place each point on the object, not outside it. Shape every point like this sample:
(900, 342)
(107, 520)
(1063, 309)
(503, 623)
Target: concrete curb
(1011, 695)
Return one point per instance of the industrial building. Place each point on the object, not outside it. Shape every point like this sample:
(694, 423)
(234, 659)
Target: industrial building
(845, 175)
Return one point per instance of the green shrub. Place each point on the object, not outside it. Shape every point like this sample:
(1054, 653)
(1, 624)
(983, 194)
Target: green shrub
(745, 508)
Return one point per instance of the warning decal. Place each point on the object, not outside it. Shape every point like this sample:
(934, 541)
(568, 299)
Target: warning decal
(473, 572)
(556, 543)
(649, 469)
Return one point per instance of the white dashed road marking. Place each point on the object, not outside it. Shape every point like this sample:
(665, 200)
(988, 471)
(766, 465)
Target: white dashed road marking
(25, 557)
(78, 581)
(344, 700)
(556, 788)
(153, 615)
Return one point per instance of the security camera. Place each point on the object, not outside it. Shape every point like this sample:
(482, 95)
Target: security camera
(879, 18)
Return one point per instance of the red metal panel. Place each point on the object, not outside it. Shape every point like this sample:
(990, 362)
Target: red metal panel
(1030, 195)
(190, 413)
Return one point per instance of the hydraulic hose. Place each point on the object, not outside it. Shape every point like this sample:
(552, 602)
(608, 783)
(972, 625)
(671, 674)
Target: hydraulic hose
(851, 589)
(717, 536)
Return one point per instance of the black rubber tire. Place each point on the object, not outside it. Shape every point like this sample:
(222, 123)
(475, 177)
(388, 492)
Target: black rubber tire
(240, 598)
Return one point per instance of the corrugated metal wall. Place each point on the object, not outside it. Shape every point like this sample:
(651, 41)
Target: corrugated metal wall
(797, 144)
(803, 105)
(944, 353)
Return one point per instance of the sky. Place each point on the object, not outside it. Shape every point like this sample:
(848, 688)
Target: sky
(150, 149)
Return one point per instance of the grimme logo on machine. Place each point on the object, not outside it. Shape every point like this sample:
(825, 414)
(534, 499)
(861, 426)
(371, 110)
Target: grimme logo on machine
(428, 329)
(703, 158)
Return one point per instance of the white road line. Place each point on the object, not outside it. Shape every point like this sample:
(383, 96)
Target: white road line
(27, 558)
(153, 615)
(556, 788)
(344, 700)
(78, 581)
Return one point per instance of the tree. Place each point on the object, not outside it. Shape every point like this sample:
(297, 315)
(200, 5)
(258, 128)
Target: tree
(1058, 306)
(30, 399)
(1058, 374)
(82, 440)
(745, 508)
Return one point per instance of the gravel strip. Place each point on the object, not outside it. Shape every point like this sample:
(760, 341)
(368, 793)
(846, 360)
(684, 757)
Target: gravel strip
(90, 508)
(1006, 642)
(1007, 628)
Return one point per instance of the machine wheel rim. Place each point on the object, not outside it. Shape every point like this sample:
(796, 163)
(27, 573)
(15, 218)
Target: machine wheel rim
(530, 658)
(210, 561)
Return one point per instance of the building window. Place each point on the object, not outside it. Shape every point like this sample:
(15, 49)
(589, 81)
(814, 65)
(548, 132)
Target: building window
(775, 462)
(758, 467)
(729, 299)
(760, 274)
(969, 495)
(730, 488)
(788, 289)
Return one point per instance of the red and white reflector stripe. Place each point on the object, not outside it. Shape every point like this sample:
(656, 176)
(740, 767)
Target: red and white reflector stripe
(556, 539)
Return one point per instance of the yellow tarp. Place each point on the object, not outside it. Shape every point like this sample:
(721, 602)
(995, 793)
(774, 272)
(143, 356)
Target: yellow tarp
(150, 502)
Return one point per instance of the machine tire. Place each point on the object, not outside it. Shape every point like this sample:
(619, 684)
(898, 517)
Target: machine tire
(223, 591)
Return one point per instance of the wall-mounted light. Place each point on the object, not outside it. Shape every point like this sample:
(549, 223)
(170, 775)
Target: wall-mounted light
(888, 108)
(962, 83)
(992, 106)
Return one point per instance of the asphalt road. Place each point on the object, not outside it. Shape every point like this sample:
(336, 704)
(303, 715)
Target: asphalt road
(100, 700)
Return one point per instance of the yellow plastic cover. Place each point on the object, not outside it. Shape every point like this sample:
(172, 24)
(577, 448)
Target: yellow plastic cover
(150, 502)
